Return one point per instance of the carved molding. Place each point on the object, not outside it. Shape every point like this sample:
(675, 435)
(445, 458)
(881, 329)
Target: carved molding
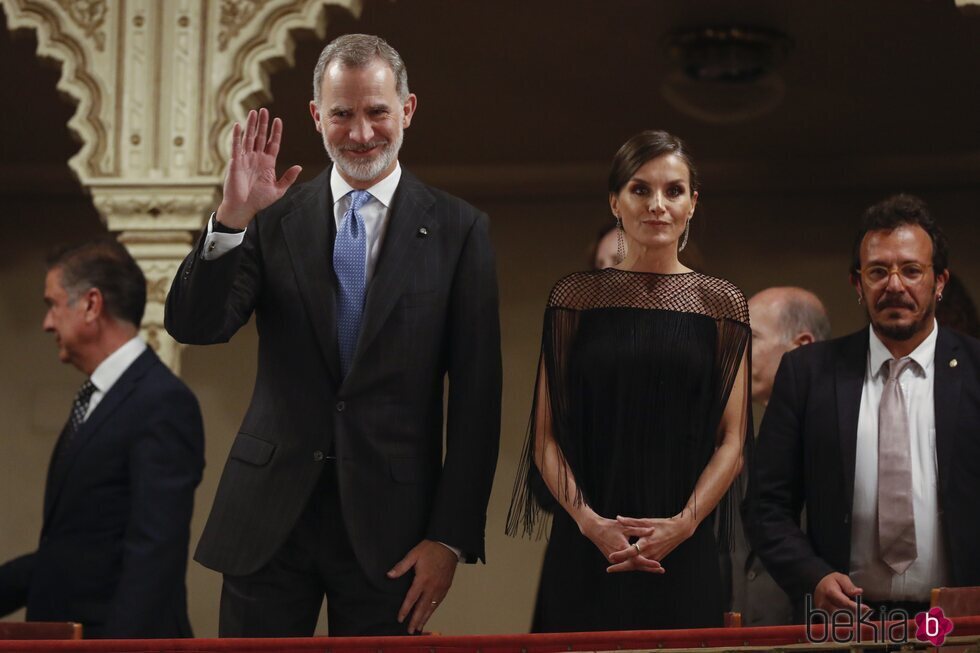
(236, 14)
(153, 208)
(89, 15)
(969, 7)
(265, 43)
(158, 84)
(63, 40)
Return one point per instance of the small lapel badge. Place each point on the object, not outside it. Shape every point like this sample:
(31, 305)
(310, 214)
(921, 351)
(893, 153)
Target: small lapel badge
(953, 363)
(423, 232)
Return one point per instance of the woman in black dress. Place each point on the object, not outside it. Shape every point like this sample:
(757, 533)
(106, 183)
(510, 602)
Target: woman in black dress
(640, 413)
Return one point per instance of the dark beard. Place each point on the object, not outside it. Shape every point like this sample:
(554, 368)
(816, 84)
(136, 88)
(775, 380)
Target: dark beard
(902, 333)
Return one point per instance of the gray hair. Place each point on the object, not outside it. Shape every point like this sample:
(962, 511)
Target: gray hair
(357, 51)
(105, 264)
(803, 312)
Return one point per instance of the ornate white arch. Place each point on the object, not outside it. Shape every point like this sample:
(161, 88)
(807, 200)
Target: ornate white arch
(157, 86)
(73, 42)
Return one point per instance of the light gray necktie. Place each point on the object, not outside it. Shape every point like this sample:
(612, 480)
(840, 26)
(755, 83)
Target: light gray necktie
(896, 519)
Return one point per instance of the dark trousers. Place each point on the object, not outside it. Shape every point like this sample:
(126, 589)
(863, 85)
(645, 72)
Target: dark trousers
(283, 598)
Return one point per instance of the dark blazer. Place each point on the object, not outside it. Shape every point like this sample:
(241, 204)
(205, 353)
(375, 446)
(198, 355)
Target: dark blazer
(806, 452)
(117, 512)
(431, 310)
(755, 595)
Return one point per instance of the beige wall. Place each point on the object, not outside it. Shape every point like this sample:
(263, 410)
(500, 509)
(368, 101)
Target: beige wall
(756, 239)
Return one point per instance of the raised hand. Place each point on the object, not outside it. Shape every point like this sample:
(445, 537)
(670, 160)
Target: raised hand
(251, 183)
(435, 566)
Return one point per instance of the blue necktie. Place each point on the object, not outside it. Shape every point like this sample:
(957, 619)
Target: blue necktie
(349, 263)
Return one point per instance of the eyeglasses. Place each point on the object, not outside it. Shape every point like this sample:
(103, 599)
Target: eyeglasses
(909, 273)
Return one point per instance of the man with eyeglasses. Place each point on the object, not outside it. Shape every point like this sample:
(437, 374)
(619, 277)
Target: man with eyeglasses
(877, 434)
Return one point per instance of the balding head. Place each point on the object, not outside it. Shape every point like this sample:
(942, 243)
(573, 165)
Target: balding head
(783, 319)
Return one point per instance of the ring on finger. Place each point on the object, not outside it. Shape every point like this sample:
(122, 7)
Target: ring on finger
(637, 547)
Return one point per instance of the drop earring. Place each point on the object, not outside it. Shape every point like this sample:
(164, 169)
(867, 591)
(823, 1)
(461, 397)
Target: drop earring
(687, 230)
(620, 240)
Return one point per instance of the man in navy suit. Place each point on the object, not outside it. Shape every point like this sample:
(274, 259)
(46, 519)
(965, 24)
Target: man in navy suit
(370, 289)
(878, 435)
(120, 489)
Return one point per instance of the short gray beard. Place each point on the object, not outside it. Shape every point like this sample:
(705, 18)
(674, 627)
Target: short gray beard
(365, 170)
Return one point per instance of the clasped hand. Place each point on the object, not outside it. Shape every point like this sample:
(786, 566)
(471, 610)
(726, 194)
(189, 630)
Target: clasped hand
(655, 539)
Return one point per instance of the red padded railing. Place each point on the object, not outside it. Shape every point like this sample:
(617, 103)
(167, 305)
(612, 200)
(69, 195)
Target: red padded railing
(729, 638)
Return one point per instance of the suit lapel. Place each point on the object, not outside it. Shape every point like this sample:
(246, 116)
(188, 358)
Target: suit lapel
(63, 462)
(849, 380)
(411, 210)
(309, 232)
(946, 394)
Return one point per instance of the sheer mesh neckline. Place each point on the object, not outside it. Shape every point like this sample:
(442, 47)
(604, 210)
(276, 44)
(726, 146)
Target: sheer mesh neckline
(659, 274)
(681, 292)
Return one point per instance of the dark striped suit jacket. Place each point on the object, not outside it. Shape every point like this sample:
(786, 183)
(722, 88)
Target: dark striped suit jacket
(431, 311)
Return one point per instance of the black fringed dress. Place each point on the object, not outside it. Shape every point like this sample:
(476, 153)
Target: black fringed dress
(639, 369)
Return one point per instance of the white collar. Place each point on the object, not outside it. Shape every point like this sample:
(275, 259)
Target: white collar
(110, 369)
(383, 191)
(924, 355)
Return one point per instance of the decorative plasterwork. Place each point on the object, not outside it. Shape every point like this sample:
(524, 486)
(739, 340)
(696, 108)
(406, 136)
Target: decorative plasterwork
(63, 40)
(264, 44)
(151, 208)
(969, 7)
(158, 84)
(89, 15)
(235, 14)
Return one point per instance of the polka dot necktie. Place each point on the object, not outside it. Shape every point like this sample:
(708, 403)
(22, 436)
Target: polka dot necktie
(78, 410)
(349, 262)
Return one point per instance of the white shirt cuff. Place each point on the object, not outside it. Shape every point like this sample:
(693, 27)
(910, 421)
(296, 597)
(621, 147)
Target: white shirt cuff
(459, 554)
(217, 244)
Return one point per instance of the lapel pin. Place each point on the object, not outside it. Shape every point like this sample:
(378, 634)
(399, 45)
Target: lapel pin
(423, 232)
(953, 363)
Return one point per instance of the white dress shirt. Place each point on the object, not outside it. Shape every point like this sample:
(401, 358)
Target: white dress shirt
(374, 213)
(929, 570)
(109, 370)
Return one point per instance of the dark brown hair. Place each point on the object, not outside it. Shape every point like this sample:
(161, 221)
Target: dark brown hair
(898, 211)
(643, 147)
